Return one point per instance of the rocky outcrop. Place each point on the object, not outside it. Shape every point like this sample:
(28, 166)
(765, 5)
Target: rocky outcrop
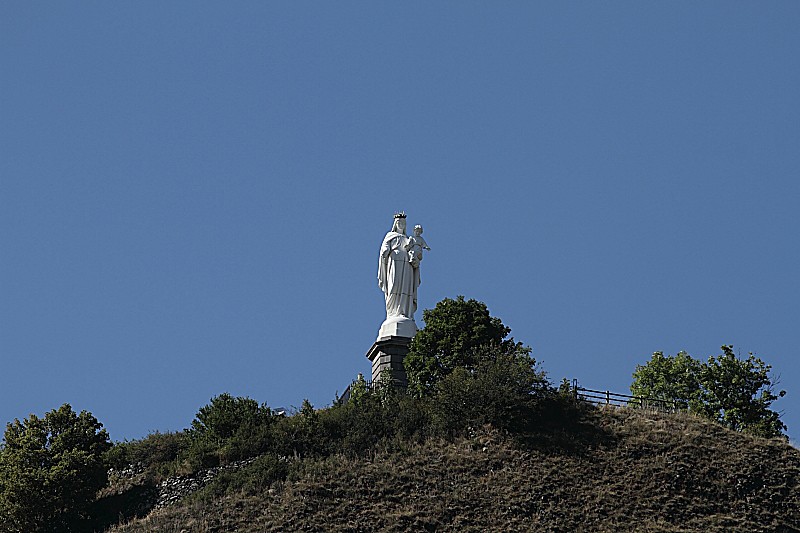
(133, 479)
(174, 489)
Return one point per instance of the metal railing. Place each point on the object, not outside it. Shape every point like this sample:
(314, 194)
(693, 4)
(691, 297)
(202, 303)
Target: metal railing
(598, 397)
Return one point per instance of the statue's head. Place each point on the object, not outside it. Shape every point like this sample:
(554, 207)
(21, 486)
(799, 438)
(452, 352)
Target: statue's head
(399, 223)
(417, 230)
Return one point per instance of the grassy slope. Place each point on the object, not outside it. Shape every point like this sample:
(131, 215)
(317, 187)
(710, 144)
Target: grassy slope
(637, 472)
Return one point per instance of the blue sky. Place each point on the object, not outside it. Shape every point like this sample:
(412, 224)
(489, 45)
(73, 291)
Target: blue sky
(193, 194)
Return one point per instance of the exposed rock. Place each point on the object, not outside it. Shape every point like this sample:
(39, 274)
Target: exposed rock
(174, 489)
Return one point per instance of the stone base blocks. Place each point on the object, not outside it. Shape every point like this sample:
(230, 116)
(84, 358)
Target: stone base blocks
(388, 353)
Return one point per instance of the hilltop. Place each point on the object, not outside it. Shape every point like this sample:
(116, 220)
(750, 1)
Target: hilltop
(478, 439)
(619, 469)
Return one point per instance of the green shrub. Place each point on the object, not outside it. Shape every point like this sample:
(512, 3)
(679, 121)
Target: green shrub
(360, 427)
(158, 452)
(504, 390)
(252, 479)
(228, 429)
(302, 435)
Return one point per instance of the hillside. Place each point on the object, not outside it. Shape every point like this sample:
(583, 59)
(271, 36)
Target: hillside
(622, 470)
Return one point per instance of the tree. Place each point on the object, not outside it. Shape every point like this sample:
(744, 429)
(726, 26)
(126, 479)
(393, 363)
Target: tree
(454, 333)
(675, 378)
(50, 470)
(226, 415)
(735, 392)
(229, 428)
(739, 392)
(504, 390)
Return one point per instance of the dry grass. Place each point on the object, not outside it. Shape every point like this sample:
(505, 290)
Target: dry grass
(643, 472)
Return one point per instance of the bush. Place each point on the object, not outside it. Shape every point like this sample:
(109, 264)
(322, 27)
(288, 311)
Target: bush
(158, 452)
(356, 428)
(253, 479)
(503, 390)
(228, 429)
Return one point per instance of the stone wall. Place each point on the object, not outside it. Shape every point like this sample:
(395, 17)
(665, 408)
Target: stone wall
(174, 489)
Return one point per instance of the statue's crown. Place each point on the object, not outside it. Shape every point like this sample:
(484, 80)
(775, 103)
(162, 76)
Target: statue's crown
(401, 214)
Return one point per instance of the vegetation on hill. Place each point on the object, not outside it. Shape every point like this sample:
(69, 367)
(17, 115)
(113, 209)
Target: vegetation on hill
(504, 392)
(629, 470)
(481, 441)
(735, 392)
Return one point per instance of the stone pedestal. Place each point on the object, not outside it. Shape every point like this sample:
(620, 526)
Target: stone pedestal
(388, 353)
(397, 326)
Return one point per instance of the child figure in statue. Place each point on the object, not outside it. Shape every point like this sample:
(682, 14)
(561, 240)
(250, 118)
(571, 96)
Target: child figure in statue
(415, 246)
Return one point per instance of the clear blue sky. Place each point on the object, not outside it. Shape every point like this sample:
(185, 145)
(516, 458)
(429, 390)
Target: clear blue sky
(193, 194)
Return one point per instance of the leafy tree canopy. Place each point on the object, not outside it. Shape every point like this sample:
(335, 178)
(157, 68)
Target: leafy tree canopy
(229, 428)
(735, 392)
(505, 390)
(675, 378)
(453, 337)
(50, 470)
(226, 415)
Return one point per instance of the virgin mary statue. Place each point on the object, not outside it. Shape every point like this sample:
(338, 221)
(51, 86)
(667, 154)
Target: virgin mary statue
(398, 278)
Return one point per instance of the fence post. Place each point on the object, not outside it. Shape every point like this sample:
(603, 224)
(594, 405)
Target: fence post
(608, 398)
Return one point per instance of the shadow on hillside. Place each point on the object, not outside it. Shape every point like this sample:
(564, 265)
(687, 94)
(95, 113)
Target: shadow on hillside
(564, 427)
(134, 502)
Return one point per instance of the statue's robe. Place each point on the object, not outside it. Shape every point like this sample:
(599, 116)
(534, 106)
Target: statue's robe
(397, 278)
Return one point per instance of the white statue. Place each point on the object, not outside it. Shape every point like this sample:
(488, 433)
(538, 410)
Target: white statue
(399, 278)
(415, 246)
